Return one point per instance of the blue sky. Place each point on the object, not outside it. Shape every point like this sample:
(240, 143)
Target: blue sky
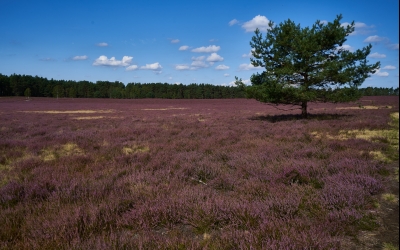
(174, 41)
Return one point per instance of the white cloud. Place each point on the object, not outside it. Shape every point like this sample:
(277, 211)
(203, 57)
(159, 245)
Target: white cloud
(182, 67)
(131, 68)
(260, 22)
(389, 67)
(249, 54)
(199, 64)
(246, 82)
(379, 73)
(184, 47)
(175, 41)
(199, 58)
(226, 75)
(346, 47)
(222, 67)
(359, 28)
(78, 58)
(104, 61)
(249, 66)
(209, 49)
(214, 57)
(377, 55)
(102, 44)
(233, 22)
(153, 66)
(385, 40)
(374, 39)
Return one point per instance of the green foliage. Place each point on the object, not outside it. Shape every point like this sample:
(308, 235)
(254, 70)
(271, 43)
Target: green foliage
(307, 64)
(27, 93)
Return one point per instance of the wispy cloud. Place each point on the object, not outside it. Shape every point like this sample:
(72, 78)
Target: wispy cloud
(233, 22)
(394, 46)
(182, 67)
(102, 44)
(184, 47)
(47, 59)
(389, 67)
(175, 41)
(260, 22)
(209, 49)
(377, 55)
(384, 40)
(80, 58)
(131, 68)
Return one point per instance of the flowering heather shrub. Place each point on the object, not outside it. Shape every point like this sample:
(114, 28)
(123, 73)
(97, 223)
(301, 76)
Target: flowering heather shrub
(187, 174)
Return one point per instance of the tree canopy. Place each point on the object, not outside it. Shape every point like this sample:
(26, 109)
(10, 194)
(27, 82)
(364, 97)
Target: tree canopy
(307, 64)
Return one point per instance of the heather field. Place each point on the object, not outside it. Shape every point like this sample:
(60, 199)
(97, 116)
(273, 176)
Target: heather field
(196, 174)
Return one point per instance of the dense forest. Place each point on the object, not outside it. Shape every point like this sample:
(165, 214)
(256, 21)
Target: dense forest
(35, 86)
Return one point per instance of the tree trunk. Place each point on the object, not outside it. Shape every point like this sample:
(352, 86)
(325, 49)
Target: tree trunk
(304, 110)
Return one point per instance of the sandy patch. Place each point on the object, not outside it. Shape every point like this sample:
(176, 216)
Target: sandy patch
(164, 109)
(70, 111)
(366, 107)
(94, 117)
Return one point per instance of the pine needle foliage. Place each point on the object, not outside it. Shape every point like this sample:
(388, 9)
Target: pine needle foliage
(307, 64)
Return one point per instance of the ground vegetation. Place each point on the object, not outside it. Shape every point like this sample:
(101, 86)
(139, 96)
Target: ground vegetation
(197, 174)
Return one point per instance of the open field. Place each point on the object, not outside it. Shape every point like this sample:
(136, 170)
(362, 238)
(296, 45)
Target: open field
(197, 174)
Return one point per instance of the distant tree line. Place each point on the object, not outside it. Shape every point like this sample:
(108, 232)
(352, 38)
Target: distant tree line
(374, 91)
(35, 86)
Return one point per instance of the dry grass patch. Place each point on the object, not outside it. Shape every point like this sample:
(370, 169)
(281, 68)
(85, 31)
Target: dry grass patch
(135, 149)
(369, 135)
(389, 246)
(378, 155)
(3, 129)
(390, 136)
(365, 134)
(65, 150)
(390, 197)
